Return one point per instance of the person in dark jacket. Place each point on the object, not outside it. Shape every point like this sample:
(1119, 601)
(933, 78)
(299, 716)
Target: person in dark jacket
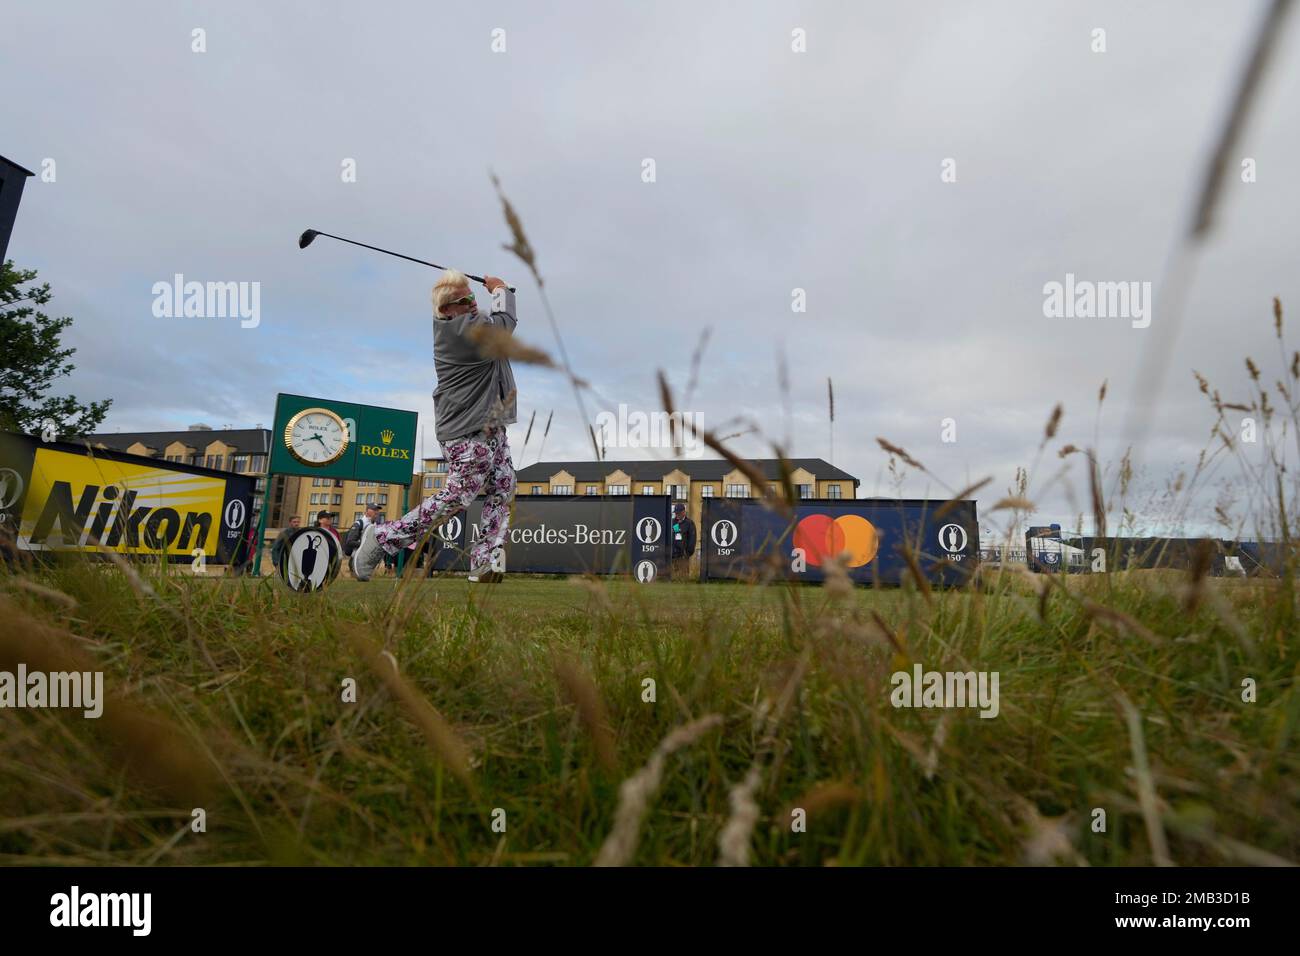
(683, 541)
(282, 539)
(352, 540)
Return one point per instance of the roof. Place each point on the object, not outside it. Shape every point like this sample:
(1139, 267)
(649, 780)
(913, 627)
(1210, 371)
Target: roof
(699, 469)
(10, 162)
(241, 439)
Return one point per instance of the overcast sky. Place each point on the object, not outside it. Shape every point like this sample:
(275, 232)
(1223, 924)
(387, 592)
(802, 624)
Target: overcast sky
(775, 170)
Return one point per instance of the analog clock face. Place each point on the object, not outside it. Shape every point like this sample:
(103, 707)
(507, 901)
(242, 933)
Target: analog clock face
(316, 436)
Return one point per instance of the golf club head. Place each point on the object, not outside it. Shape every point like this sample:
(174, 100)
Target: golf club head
(306, 238)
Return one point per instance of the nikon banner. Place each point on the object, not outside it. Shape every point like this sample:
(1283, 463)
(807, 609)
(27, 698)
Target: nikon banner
(742, 538)
(582, 534)
(61, 496)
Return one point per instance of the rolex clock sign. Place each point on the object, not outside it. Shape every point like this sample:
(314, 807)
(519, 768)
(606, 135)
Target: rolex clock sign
(317, 437)
(325, 438)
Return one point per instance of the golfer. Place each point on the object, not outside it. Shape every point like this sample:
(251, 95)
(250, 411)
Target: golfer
(473, 403)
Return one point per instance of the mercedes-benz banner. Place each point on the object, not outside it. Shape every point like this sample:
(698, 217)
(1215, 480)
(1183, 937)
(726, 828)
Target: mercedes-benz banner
(743, 538)
(560, 534)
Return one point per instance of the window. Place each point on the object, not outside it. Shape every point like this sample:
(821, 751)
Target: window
(361, 499)
(338, 499)
(647, 489)
(370, 498)
(679, 491)
(833, 491)
(356, 516)
(591, 490)
(737, 491)
(383, 499)
(311, 517)
(706, 491)
(437, 482)
(805, 491)
(315, 498)
(439, 467)
(214, 461)
(428, 483)
(338, 482)
(617, 489)
(537, 489)
(561, 489)
(239, 462)
(257, 462)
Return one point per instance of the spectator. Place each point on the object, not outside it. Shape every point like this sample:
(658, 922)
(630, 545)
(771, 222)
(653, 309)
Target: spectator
(241, 559)
(282, 540)
(353, 537)
(683, 542)
(325, 521)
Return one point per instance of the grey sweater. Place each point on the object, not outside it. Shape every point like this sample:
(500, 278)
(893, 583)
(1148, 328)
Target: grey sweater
(473, 393)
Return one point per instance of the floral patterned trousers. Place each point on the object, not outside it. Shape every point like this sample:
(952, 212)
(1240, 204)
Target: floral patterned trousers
(479, 464)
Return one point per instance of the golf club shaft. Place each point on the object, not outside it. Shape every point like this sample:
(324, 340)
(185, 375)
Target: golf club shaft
(434, 265)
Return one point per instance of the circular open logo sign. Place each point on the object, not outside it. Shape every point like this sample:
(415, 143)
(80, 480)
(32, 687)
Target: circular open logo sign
(648, 530)
(952, 538)
(723, 533)
(310, 560)
(450, 532)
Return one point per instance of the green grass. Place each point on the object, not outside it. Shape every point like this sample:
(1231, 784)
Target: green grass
(229, 698)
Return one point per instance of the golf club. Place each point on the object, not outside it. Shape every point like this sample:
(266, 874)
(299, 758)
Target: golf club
(309, 236)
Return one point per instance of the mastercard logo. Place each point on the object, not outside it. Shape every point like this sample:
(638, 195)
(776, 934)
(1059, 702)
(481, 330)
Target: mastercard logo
(821, 537)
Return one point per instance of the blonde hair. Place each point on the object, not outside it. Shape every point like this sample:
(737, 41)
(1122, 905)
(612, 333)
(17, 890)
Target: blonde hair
(447, 284)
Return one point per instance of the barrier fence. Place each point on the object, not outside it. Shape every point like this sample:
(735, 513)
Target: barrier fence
(1049, 551)
(745, 539)
(580, 534)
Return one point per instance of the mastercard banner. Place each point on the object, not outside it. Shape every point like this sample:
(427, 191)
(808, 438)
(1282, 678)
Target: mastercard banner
(742, 539)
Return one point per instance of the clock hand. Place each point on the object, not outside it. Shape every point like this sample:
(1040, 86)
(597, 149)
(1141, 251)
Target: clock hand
(318, 438)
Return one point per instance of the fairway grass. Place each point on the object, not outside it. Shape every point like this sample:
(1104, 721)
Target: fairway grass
(498, 724)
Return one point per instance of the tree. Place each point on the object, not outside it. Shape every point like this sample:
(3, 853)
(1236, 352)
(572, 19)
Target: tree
(31, 360)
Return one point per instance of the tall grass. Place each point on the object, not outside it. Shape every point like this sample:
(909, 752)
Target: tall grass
(530, 698)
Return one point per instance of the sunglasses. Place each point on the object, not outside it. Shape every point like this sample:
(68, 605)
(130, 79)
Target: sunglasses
(463, 300)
